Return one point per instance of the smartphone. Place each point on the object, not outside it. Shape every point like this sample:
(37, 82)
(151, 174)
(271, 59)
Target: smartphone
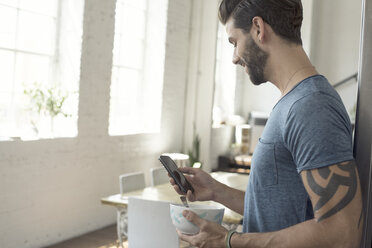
(178, 176)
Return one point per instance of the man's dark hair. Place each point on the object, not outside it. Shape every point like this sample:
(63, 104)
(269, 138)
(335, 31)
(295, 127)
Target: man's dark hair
(284, 16)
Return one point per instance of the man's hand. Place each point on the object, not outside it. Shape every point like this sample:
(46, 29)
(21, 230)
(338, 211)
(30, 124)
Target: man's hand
(204, 185)
(211, 235)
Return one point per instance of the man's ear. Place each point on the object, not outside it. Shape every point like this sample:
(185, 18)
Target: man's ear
(258, 29)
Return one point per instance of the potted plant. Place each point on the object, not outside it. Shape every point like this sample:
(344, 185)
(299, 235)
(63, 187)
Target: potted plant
(194, 153)
(45, 101)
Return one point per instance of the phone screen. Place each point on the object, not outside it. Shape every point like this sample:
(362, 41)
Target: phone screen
(178, 177)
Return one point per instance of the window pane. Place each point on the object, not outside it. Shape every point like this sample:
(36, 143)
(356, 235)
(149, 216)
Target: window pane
(6, 65)
(28, 29)
(124, 96)
(132, 21)
(139, 4)
(36, 33)
(119, 16)
(5, 101)
(70, 38)
(131, 53)
(12, 3)
(46, 7)
(158, 7)
(137, 79)
(225, 80)
(31, 69)
(116, 50)
(8, 21)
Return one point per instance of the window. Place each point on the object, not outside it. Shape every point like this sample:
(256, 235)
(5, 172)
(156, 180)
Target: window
(33, 57)
(138, 66)
(225, 79)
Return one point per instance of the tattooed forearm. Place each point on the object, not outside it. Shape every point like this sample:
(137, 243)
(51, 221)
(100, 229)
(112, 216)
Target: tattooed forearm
(334, 179)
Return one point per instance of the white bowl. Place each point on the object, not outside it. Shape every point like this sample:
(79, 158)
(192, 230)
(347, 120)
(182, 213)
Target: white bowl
(207, 212)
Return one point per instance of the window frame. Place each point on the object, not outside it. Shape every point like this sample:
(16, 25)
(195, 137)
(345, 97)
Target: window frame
(142, 82)
(16, 129)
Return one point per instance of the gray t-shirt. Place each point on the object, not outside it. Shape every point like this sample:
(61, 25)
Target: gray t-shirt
(308, 128)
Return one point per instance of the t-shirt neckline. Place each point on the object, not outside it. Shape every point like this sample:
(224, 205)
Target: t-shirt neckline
(308, 78)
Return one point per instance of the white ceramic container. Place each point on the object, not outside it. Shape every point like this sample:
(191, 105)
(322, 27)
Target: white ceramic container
(207, 212)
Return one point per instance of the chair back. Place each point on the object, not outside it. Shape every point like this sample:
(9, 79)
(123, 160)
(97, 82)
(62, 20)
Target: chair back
(159, 175)
(131, 181)
(150, 224)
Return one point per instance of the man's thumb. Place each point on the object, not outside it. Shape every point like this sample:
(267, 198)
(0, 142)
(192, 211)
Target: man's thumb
(193, 218)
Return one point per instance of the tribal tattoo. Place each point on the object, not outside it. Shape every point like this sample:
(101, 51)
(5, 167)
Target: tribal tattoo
(340, 175)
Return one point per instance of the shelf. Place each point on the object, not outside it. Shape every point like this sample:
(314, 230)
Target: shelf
(239, 164)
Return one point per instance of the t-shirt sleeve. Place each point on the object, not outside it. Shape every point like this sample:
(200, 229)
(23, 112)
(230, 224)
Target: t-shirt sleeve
(318, 132)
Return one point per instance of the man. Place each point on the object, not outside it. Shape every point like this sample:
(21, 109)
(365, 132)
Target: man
(304, 188)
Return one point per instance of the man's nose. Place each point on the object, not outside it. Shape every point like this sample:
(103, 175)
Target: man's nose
(235, 58)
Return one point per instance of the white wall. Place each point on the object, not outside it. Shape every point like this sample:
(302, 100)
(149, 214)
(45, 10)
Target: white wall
(306, 29)
(260, 98)
(50, 190)
(335, 43)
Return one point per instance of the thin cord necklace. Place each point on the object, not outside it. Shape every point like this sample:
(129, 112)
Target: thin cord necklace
(289, 80)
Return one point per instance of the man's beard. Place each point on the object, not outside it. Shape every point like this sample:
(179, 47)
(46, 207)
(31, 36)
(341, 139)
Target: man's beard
(255, 59)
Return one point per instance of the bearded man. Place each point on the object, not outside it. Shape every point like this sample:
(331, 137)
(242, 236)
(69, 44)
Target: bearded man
(304, 188)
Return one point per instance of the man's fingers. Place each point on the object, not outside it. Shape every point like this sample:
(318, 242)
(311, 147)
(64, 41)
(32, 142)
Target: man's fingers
(185, 237)
(189, 178)
(171, 180)
(175, 186)
(177, 189)
(193, 218)
(190, 196)
(188, 170)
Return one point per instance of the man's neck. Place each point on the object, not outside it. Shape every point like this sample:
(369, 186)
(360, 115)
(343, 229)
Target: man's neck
(287, 66)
